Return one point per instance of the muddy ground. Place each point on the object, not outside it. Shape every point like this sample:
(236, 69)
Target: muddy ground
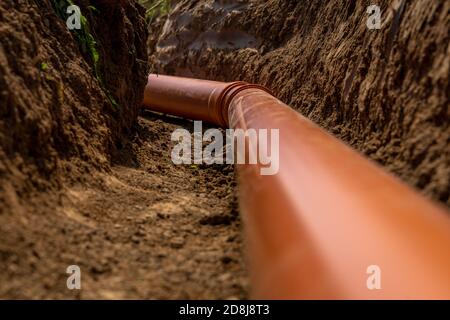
(85, 183)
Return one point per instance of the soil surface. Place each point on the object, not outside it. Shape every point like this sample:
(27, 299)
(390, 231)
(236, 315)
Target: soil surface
(58, 122)
(84, 183)
(385, 92)
(145, 230)
(87, 183)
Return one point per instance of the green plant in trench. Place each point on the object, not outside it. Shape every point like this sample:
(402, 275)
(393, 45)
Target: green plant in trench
(43, 66)
(83, 36)
(85, 40)
(155, 7)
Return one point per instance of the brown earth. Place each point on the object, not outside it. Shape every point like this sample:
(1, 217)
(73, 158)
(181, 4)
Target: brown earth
(385, 92)
(85, 183)
(144, 230)
(57, 123)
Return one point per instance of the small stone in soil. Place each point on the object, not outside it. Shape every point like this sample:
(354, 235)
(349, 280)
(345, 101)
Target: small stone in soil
(161, 215)
(216, 219)
(177, 243)
(135, 239)
(226, 259)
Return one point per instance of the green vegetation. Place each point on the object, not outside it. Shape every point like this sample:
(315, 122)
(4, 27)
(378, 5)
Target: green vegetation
(83, 36)
(43, 66)
(155, 8)
(85, 40)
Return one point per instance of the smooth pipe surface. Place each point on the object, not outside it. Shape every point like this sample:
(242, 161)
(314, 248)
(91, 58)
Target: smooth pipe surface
(191, 98)
(315, 228)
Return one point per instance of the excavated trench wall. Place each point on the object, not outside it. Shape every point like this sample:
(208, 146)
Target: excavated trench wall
(383, 91)
(61, 114)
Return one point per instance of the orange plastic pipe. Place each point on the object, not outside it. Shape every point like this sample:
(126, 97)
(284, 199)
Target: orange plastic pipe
(330, 221)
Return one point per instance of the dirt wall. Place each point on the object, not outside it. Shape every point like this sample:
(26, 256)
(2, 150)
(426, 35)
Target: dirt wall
(62, 114)
(63, 118)
(385, 92)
